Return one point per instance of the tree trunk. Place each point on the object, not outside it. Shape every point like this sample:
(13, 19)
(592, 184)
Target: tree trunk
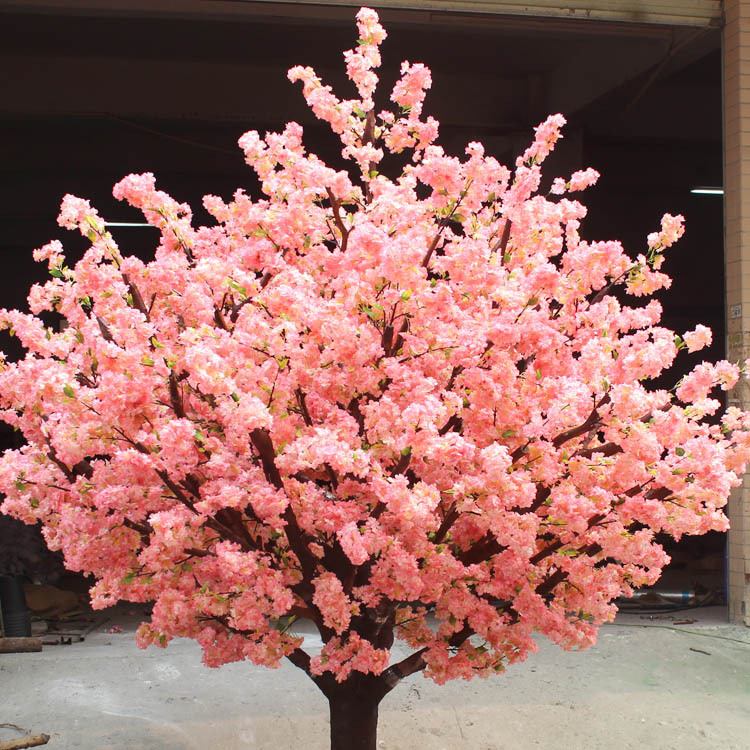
(353, 703)
(354, 720)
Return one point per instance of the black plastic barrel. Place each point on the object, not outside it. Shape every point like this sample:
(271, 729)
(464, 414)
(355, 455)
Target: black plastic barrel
(16, 616)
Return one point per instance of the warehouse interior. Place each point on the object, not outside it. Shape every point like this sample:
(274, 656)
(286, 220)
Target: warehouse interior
(94, 91)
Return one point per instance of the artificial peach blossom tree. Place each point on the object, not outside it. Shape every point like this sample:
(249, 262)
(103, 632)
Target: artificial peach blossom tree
(410, 408)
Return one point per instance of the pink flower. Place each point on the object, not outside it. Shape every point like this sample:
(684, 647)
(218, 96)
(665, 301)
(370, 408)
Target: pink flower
(558, 186)
(335, 606)
(698, 339)
(583, 178)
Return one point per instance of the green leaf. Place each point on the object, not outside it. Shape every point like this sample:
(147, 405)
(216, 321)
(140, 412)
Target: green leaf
(238, 288)
(235, 398)
(406, 295)
(679, 451)
(146, 360)
(406, 451)
(68, 391)
(509, 433)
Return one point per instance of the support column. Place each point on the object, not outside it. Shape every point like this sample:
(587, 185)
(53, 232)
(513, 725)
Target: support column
(736, 83)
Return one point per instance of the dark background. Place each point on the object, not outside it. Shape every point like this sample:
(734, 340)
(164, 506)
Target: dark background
(89, 97)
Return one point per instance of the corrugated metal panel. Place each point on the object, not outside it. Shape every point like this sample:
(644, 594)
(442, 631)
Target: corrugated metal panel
(702, 13)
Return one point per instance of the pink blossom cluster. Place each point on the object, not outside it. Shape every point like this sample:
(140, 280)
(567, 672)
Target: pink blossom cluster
(360, 62)
(698, 339)
(410, 407)
(579, 180)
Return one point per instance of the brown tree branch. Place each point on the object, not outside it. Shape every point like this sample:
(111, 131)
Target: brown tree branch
(302, 402)
(608, 449)
(502, 243)
(402, 465)
(175, 397)
(591, 422)
(219, 319)
(455, 372)
(135, 293)
(408, 666)
(454, 424)
(448, 520)
(482, 550)
(335, 205)
(261, 440)
(104, 329)
(300, 659)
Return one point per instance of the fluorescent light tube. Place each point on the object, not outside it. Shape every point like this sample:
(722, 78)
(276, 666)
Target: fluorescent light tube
(125, 224)
(707, 190)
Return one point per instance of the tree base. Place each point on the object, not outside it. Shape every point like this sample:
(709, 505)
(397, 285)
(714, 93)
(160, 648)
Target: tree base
(353, 708)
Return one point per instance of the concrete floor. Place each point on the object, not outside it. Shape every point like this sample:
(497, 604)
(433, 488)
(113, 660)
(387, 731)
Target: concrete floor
(639, 687)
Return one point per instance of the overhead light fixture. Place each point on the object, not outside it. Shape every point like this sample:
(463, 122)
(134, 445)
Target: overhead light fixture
(703, 190)
(126, 224)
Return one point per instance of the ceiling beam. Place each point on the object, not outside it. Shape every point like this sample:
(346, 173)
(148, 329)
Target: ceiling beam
(700, 13)
(672, 12)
